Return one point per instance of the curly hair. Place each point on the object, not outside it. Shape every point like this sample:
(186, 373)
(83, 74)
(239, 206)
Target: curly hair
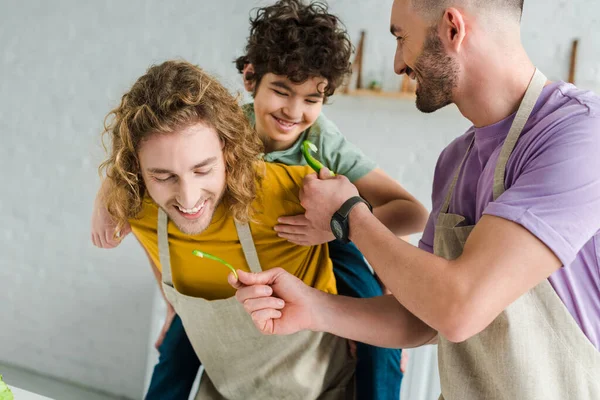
(171, 96)
(298, 41)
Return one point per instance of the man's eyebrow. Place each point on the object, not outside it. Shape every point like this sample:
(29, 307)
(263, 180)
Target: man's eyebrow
(395, 30)
(201, 164)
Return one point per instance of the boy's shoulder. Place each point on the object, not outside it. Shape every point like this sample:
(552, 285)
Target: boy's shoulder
(322, 129)
(248, 110)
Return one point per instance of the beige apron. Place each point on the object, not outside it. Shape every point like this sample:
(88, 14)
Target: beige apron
(241, 363)
(534, 349)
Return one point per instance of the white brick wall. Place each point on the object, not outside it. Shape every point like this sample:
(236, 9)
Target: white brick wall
(82, 314)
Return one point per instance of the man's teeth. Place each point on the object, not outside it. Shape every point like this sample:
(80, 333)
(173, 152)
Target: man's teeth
(191, 210)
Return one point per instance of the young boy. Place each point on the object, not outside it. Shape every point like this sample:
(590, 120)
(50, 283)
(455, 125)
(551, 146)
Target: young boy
(296, 57)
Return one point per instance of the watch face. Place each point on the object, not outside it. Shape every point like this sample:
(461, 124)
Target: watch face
(336, 228)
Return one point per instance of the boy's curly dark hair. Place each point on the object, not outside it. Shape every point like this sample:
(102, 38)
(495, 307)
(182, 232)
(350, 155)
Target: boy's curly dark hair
(298, 41)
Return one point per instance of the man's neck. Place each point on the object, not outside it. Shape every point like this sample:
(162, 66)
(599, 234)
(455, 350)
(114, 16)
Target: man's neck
(494, 89)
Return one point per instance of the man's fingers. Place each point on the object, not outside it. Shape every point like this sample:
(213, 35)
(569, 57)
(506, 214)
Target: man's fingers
(233, 281)
(263, 303)
(310, 177)
(290, 229)
(299, 220)
(253, 292)
(325, 173)
(263, 319)
(261, 278)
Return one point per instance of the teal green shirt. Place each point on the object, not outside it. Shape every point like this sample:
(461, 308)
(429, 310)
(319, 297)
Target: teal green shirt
(335, 152)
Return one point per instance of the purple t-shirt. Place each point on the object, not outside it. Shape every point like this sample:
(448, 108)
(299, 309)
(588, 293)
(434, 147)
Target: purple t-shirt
(552, 189)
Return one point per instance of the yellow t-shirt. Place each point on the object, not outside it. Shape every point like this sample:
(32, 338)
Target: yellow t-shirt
(201, 277)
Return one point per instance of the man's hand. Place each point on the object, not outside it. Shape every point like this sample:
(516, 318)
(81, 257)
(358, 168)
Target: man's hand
(322, 196)
(279, 303)
(103, 227)
(299, 230)
(168, 321)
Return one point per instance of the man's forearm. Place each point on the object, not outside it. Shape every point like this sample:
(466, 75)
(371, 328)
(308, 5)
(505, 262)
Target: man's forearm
(417, 279)
(380, 321)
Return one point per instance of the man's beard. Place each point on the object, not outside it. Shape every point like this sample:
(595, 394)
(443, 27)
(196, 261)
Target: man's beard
(437, 75)
(196, 226)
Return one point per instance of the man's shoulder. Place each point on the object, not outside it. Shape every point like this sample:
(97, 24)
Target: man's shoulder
(285, 175)
(566, 95)
(147, 218)
(568, 116)
(567, 106)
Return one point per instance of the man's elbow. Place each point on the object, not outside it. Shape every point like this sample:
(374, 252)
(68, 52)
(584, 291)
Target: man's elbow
(462, 325)
(423, 215)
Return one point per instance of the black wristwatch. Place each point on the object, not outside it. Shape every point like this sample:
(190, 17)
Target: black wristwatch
(340, 226)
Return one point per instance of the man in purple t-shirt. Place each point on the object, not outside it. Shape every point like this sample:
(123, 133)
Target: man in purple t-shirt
(512, 289)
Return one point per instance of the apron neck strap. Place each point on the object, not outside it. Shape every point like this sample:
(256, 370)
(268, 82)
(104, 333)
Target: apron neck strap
(527, 104)
(163, 247)
(446, 204)
(245, 236)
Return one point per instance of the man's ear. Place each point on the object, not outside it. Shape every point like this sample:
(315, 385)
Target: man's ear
(248, 72)
(453, 29)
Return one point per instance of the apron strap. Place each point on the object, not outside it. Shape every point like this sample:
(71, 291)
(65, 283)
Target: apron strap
(446, 204)
(163, 247)
(527, 104)
(245, 236)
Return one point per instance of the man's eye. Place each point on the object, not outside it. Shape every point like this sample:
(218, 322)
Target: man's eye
(204, 172)
(168, 178)
(280, 93)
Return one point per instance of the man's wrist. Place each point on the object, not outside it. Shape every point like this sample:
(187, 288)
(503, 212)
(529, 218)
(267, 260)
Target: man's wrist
(357, 214)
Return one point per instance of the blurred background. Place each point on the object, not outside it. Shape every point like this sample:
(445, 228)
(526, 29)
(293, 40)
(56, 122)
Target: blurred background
(77, 322)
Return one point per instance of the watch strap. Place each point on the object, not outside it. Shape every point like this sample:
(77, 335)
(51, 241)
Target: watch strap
(349, 204)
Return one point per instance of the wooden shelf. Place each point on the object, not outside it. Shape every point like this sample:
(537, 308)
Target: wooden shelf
(378, 93)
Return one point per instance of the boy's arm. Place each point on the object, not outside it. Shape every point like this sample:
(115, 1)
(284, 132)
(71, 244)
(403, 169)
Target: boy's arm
(393, 205)
(103, 226)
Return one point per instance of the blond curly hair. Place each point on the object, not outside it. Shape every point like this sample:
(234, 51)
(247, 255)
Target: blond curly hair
(169, 97)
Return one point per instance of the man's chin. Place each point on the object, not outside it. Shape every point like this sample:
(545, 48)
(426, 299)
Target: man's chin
(190, 227)
(426, 103)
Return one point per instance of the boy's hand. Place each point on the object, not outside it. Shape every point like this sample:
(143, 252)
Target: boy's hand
(279, 303)
(168, 321)
(404, 361)
(299, 230)
(103, 227)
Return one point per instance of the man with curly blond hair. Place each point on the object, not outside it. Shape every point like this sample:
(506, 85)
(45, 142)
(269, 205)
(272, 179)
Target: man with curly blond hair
(184, 171)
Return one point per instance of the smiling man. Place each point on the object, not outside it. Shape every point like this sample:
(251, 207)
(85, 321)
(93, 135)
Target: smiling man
(185, 172)
(507, 276)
